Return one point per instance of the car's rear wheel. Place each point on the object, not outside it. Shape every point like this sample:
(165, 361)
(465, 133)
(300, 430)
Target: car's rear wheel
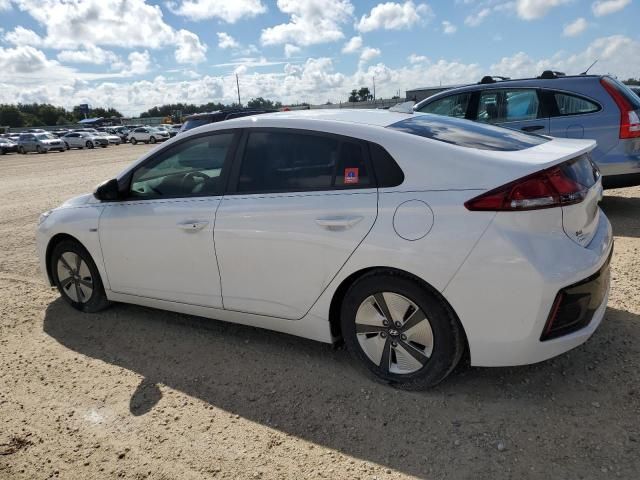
(66, 145)
(76, 276)
(39, 149)
(400, 331)
(133, 140)
(152, 140)
(21, 150)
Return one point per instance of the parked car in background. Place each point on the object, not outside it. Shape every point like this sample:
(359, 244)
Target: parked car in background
(170, 127)
(84, 140)
(199, 119)
(175, 129)
(415, 238)
(147, 135)
(635, 89)
(39, 142)
(7, 145)
(597, 107)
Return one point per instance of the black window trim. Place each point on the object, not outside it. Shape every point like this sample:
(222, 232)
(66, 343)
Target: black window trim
(552, 103)
(125, 187)
(234, 177)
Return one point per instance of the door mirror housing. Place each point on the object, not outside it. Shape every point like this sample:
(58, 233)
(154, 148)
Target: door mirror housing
(108, 191)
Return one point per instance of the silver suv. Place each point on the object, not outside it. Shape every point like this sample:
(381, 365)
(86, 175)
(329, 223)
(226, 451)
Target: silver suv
(41, 142)
(579, 106)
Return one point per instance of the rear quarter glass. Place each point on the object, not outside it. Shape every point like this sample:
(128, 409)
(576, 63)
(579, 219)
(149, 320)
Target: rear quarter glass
(465, 133)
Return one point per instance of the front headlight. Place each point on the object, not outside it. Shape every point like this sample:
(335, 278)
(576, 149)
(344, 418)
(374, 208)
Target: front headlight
(44, 216)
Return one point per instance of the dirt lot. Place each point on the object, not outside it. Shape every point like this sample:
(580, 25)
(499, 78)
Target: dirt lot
(139, 393)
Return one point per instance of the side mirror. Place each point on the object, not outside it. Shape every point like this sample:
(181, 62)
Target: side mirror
(108, 191)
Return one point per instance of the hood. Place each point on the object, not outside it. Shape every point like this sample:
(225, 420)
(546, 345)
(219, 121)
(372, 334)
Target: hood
(80, 200)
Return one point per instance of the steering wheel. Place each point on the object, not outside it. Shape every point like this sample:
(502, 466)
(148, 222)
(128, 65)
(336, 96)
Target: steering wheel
(191, 176)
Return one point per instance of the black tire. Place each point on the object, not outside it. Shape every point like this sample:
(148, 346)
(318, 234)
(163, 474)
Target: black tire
(98, 299)
(21, 150)
(89, 144)
(66, 146)
(152, 140)
(39, 149)
(133, 141)
(448, 337)
(2, 151)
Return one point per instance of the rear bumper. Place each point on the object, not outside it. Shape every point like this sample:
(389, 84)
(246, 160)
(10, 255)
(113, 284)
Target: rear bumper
(505, 291)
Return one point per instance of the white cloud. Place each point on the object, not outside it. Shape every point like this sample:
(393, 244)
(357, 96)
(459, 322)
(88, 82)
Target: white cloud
(88, 54)
(413, 59)
(189, 48)
(311, 22)
(394, 16)
(606, 7)
(575, 28)
(139, 63)
(476, 19)
(23, 36)
(5, 5)
(227, 41)
(115, 23)
(534, 9)
(353, 45)
(22, 59)
(368, 54)
(448, 27)
(228, 10)
(291, 50)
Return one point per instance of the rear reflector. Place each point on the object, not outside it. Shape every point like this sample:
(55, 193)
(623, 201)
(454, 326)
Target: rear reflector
(563, 184)
(629, 119)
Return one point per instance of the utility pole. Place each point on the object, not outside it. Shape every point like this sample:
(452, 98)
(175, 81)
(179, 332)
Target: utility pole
(374, 88)
(238, 87)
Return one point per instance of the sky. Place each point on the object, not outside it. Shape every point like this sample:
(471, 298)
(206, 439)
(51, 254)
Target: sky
(135, 54)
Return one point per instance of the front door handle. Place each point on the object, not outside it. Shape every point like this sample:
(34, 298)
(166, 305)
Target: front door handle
(193, 225)
(532, 128)
(338, 222)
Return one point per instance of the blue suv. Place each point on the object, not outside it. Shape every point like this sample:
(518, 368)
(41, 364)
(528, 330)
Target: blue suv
(579, 106)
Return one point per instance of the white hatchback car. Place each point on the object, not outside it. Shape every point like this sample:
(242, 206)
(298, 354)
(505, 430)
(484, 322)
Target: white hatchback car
(412, 237)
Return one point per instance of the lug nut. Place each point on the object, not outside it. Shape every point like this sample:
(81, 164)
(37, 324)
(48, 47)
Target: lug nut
(385, 323)
(398, 324)
(403, 336)
(383, 334)
(394, 344)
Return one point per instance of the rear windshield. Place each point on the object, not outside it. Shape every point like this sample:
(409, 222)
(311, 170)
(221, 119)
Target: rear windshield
(464, 133)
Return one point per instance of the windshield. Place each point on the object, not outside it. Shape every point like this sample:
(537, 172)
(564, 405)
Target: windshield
(465, 133)
(193, 123)
(45, 136)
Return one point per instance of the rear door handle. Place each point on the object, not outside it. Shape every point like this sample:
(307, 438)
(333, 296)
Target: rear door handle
(193, 225)
(532, 128)
(338, 222)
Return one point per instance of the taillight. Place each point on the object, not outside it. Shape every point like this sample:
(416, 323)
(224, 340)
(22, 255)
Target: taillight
(629, 120)
(553, 187)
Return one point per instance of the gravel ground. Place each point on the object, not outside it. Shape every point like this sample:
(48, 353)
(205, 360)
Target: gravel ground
(139, 393)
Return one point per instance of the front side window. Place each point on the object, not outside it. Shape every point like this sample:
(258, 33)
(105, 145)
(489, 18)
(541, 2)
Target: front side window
(573, 105)
(191, 168)
(451, 106)
(277, 161)
(499, 106)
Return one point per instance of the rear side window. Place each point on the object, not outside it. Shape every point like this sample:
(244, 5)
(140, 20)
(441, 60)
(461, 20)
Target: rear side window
(451, 106)
(388, 173)
(276, 161)
(499, 106)
(464, 133)
(194, 122)
(574, 105)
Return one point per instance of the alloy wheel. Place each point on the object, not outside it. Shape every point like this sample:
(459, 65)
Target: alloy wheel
(75, 277)
(394, 333)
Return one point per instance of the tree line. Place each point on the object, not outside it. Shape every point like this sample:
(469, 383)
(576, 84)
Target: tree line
(39, 114)
(176, 110)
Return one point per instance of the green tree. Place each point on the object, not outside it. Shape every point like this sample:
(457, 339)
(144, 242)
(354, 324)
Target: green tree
(263, 103)
(364, 94)
(10, 115)
(353, 96)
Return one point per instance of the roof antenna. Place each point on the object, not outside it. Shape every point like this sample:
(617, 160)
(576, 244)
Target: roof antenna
(585, 72)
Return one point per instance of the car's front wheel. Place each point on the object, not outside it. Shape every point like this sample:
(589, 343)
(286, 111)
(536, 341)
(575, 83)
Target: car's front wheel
(400, 331)
(133, 140)
(152, 140)
(76, 276)
(66, 146)
(89, 144)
